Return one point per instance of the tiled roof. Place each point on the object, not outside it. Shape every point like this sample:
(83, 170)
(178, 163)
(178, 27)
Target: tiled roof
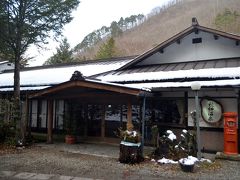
(219, 63)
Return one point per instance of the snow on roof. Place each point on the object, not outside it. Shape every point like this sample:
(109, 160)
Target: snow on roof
(3, 62)
(166, 75)
(58, 75)
(115, 84)
(25, 88)
(232, 82)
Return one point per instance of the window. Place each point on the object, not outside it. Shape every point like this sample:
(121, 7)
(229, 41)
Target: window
(59, 111)
(42, 113)
(112, 120)
(196, 40)
(34, 104)
(169, 111)
(94, 120)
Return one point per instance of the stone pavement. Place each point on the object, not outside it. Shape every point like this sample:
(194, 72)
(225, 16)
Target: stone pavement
(37, 176)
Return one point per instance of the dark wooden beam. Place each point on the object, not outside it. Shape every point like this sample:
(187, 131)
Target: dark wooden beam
(196, 31)
(103, 121)
(186, 109)
(97, 98)
(50, 122)
(85, 109)
(215, 37)
(161, 51)
(129, 116)
(87, 84)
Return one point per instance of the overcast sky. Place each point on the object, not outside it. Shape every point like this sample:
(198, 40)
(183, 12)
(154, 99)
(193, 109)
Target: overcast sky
(92, 15)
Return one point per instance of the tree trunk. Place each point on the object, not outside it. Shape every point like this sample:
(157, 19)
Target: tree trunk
(17, 59)
(17, 107)
(17, 78)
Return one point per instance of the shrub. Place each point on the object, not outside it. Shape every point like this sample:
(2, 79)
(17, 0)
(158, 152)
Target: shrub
(188, 143)
(129, 136)
(6, 131)
(170, 148)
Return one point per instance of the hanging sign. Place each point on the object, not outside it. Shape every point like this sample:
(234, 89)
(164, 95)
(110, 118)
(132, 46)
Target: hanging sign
(211, 110)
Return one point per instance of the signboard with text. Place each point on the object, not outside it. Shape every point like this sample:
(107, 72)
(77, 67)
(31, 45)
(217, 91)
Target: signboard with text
(211, 110)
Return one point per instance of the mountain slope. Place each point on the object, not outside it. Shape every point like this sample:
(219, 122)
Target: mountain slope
(168, 22)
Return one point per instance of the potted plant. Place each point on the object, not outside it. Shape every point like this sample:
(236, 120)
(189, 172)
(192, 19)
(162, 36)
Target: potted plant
(130, 147)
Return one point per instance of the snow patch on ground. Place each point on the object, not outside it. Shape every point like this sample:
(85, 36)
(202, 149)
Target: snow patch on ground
(166, 161)
(190, 160)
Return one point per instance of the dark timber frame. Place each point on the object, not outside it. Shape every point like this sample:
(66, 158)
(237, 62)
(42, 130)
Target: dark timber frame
(91, 91)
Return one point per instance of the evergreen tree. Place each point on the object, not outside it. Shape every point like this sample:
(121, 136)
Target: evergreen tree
(26, 22)
(107, 50)
(115, 29)
(64, 54)
(227, 19)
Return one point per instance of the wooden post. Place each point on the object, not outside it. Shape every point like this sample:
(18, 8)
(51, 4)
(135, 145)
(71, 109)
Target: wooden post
(50, 122)
(129, 117)
(143, 123)
(85, 109)
(103, 121)
(121, 116)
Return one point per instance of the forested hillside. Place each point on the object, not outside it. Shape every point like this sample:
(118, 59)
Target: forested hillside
(164, 22)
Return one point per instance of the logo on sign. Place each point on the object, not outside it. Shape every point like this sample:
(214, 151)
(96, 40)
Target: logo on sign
(211, 110)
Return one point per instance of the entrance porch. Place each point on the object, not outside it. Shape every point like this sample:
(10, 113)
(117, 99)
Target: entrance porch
(93, 108)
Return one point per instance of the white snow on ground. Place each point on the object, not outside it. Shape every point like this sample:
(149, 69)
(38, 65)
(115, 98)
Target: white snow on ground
(166, 161)
(190, 160)
(164, 75)
(58, 74)
(207, 160)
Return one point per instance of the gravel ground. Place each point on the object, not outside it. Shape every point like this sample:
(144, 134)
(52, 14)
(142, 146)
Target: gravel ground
(55, 161)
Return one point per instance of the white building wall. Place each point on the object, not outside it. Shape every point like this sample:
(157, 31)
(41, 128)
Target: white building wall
(6, 66)
(228, 100)
(212, 139)
(187, 51)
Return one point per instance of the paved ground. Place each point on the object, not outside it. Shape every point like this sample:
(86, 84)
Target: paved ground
(100, 150)
(37, 176)
(59, 161)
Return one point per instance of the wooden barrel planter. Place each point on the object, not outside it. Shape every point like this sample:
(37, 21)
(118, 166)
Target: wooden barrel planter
(70, 139)
(130, 153)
